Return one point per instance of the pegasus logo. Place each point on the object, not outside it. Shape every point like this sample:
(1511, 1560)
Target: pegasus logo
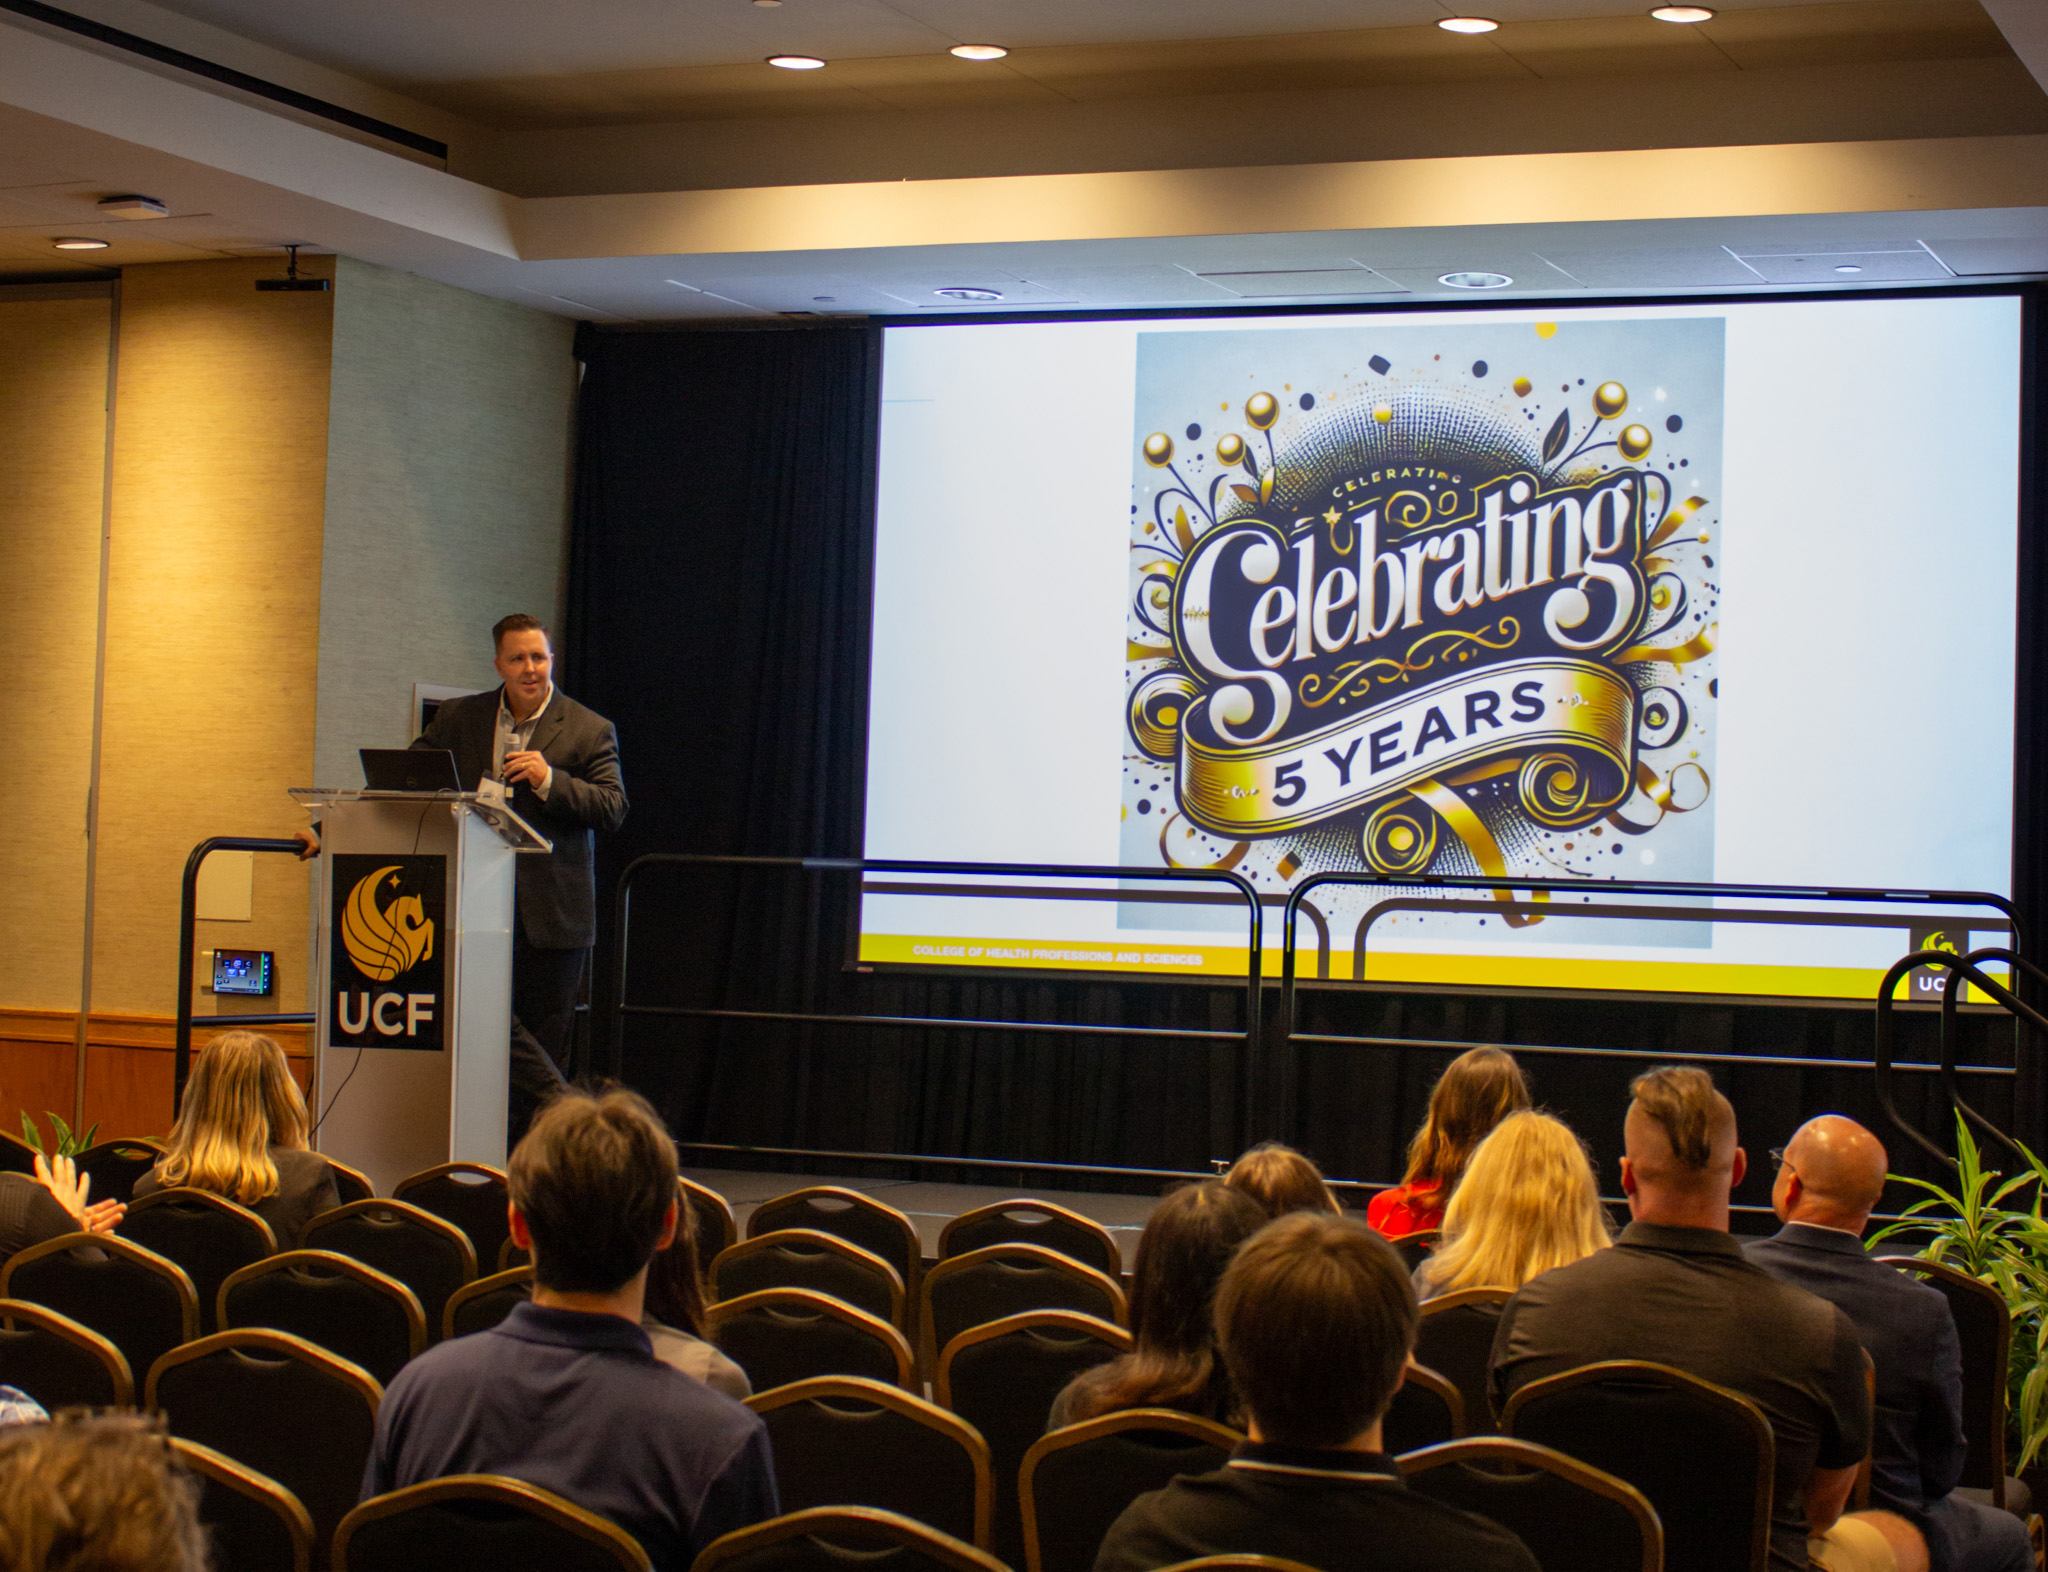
(385, 941)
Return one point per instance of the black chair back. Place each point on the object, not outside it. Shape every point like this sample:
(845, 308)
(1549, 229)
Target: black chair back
(481, 1305)
(350, 1184)
(1040, 1223)
(469, 1195)
(1573, 1517)
(1002, 1378)
(1703, 1455)
(1414, 1249)
(481, 1523)
(998, 1281)
(823, 1263)
(353, 1311)
(1455, 1339)
(782, 1335)
(858, 1219)
(253, 1524)
(60, 1363)
(277, 1404)
(1426, 1411)
(17, 1156)
(1076, 1481)
(115, 1165)
(833, 1539)
(1984, 1328)
(210, 1237)
(138, 1301)
(840, 1442)
(428, 1254)
(711, 1216)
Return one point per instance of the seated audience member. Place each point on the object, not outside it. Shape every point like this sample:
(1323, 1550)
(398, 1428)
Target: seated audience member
(1281, 1180)
(1676, 1289)
(565, 1392)
(1528, 1202)
(50, 1205)
(1316, 1317)
(1477, 1090)
(1829, 1179)
(1187, 1243)
(242, 1135)
(96, 1494)
(673, 1317)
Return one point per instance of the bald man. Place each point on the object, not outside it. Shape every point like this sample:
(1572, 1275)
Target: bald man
(1677, 1290)
(1830, 1177)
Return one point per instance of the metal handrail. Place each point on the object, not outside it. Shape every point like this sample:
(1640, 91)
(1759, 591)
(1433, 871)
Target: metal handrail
(1949, 1033)
(181, 1065)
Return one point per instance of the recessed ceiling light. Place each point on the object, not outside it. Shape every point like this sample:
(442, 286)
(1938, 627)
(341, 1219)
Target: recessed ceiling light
(961, 292)
(979, 51)
(797, 62)
(79, 243)
(1475, 281)
(767, 2)
(1467, 24)
(1682, 13)
(1848, 267)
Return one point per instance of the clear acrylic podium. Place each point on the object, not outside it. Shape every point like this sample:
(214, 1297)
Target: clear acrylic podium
(414, 970)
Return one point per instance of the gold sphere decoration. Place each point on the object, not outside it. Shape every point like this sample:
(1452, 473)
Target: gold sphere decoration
(1262, 409)
(1634, 442)
(1523, 387)
(1158, 449)
(1230, 449)
(1609, 400)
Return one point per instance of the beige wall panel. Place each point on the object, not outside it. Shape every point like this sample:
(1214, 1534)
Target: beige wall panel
(220, 453)
(53, 383)
(447, 496)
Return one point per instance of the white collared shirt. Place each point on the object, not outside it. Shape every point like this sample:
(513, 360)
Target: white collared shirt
(516, 736)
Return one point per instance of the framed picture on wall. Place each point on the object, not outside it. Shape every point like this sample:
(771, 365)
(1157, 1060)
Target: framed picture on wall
(427, 697)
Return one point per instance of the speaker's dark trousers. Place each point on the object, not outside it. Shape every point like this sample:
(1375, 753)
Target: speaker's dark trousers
(545, 984)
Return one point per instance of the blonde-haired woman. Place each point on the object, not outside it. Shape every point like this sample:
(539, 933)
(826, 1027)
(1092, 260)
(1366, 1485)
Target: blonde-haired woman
(1528, 1203)
(242, 1135)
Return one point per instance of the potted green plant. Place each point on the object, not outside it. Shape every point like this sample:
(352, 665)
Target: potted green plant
(66, 1144)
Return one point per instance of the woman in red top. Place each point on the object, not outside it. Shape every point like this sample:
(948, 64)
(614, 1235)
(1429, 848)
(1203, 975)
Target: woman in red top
(1480, 1088)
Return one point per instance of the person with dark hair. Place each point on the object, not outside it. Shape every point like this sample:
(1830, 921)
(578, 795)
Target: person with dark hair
(566, 1393)
(96, 1493)
(1677, 1290)
(1187, 1242)
(673, 1317)
(1316, 1317)
(1477, 1090)
(1281, 1180)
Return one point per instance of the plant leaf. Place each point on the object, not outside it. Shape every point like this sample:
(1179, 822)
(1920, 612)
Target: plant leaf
(1181, 532)
(1266, 485)
(31, 1134)
(1559, 434)
(1246, 494)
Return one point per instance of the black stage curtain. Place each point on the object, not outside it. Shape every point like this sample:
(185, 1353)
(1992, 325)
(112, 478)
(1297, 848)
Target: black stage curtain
(719, 606)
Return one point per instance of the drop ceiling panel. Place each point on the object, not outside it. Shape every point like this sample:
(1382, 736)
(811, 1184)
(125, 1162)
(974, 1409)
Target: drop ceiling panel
(1131, 286)
(1699, 267)
(1860, 267)
(1973, 258)
(1305, 284)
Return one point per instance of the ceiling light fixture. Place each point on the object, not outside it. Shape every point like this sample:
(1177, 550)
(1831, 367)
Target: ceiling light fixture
(961, 292)
(978, 51)
(1467, 24)
(79, 243)
(133, 207)
(797, 62)
(1682, 13)
(1475, 281)
(1849, 267)
(767, 3)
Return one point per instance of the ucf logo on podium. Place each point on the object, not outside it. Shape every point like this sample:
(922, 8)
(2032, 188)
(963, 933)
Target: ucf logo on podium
(385, 967)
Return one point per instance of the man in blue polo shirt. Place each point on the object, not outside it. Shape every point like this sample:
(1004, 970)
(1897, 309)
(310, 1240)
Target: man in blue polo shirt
(566, 1393)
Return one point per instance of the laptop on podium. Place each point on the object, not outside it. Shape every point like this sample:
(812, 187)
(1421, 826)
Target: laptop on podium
(409, 769)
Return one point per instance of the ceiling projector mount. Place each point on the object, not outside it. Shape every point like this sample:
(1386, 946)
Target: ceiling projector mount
(291, 283)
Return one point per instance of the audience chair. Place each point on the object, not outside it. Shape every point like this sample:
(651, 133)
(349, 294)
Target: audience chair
(1455, 1339)
(142, 1304)
(60, 1363)
(1414, 1249)
(1426, 1411)
(780, 1335)
(1240, 1563)
(1038, 1223)
(351, 1184)
(823, 1263)
(844, 1442)
(1573, 1517)
(711, 1217)
(1003, 1280)
(481, 1523)
(830, 1539)
(209, 1236)
(279, 1405)
(481, 1305)
(353, 1311)
(469, 1195)
(115, 1165)
(1984, 1326)
(1702, 1454)
(16, 1155)
(1076, 1481)
(253, 1523)
(856, 1218)
(1002, 1378)
(510, 1255)
(428, 1254)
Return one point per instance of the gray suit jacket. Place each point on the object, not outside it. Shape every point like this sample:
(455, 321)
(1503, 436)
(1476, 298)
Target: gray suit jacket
(557, 894)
